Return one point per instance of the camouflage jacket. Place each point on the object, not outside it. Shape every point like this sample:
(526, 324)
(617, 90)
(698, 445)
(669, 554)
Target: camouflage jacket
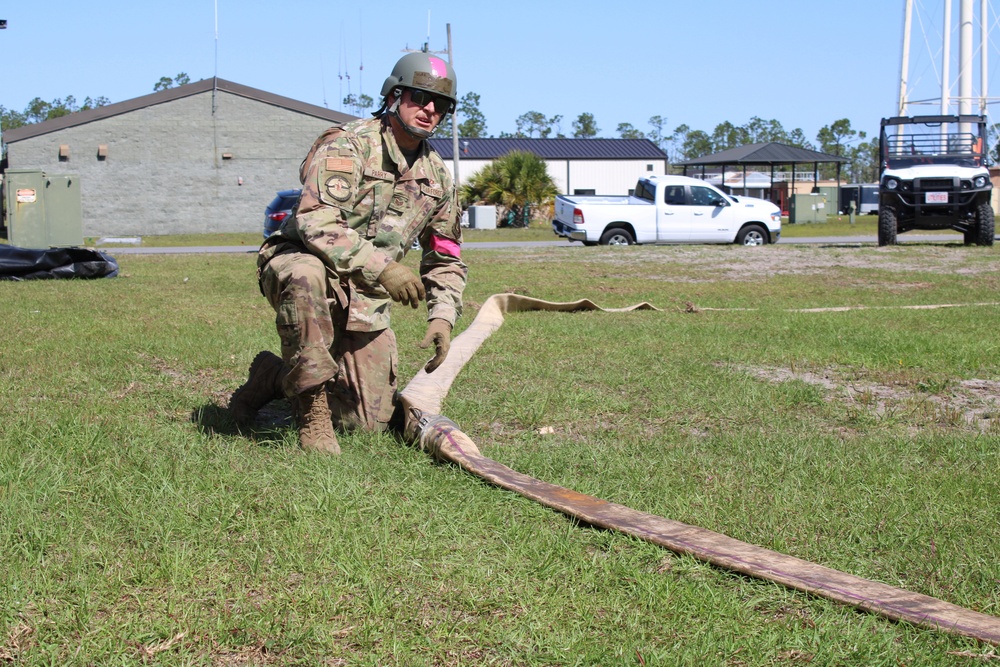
(361, 207)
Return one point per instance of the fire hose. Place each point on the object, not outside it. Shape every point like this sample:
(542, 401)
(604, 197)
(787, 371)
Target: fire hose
(444, 440)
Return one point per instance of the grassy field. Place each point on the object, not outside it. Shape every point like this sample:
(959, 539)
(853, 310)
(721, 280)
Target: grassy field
(137, 526)
(866, 225)
(533, 233)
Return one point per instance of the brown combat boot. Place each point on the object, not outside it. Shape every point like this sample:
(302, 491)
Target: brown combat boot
(315, 423)
(262, 386)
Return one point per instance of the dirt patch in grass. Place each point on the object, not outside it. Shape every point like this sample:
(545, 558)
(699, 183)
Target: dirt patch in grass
(19, 640)
(966, 404)
(736, 262)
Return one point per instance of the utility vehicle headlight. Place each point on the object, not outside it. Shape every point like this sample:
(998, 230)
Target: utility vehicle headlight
(891, 184)
(980, 181)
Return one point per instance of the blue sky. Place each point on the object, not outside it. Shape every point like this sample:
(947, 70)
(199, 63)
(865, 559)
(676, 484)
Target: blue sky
(805, 63)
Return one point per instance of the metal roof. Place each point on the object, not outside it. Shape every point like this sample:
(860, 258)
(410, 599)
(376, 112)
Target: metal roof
(552, 149)
(168, 95)
(767, 153)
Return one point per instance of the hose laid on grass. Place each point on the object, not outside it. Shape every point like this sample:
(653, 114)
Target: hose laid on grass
(441, 437)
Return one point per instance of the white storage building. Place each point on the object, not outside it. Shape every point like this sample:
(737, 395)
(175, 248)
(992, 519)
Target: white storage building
(578, 166)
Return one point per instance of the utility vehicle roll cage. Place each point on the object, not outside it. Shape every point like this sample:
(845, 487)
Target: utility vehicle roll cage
(930, 145)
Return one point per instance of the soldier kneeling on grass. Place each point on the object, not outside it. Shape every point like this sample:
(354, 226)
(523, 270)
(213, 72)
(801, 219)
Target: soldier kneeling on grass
(370, 188)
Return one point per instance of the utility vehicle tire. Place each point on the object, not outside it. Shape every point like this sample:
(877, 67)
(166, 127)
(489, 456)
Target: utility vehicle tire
(752, 235)
(617, 236)
(886, 225)
(984, 224)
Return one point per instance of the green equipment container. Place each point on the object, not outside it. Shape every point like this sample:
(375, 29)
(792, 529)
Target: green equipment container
(42, 210)
(830, 193)
(809, 208)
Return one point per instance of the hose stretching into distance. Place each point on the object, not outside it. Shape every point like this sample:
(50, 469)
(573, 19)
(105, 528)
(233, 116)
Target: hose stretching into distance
(443, 439)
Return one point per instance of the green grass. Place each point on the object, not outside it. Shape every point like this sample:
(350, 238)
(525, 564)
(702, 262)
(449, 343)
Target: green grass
(136, 525)
(836, 225)
(866, 225)
(249, 239)
(536, 232)
(840, 225)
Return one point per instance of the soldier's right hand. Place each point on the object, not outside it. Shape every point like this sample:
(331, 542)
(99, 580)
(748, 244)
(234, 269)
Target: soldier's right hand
(402, 284)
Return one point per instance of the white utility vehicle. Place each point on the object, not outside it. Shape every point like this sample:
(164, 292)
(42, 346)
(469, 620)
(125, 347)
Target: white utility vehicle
(667, 209)
(935, 176)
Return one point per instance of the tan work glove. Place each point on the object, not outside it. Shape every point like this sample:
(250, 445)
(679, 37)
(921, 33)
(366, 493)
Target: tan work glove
(402, 284)
(438, 333)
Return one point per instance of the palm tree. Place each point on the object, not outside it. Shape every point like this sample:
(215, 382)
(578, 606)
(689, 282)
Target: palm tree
(516, 182)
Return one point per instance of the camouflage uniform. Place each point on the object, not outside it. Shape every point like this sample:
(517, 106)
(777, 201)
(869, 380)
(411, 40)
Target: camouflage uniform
(361, 207)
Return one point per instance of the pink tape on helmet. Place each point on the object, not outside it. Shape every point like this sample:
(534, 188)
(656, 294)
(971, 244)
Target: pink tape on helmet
(438, 67)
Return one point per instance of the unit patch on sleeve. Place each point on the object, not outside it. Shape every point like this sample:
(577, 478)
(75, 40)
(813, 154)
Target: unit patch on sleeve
(338, 188)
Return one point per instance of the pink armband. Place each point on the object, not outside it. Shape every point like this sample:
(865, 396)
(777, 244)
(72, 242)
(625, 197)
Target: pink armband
(445, 246)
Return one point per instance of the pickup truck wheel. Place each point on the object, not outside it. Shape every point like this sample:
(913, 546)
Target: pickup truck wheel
(984, 225)
(886, 225)
(752, 235)
(617, 237)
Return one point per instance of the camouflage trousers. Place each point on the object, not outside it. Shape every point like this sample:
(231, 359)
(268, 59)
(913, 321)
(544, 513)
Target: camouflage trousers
(358, 367)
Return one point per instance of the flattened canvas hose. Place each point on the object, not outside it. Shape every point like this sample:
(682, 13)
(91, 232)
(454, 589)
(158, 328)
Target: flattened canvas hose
(441, 437)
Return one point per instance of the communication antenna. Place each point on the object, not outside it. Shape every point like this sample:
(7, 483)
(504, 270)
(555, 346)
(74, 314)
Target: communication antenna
(340, 81)
(215, 74)
(344, 70)
(361, 57)
(322, 80)
(454, 115)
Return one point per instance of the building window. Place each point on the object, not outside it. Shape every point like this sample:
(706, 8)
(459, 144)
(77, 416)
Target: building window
(649, 167)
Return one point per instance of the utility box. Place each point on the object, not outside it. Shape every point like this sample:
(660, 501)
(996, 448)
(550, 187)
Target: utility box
(832, 196)
(482, 217)
(41, 210)
(808, 208)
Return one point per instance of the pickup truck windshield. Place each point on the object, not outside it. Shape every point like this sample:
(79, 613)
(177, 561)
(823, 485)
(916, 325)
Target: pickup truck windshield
(645, 190)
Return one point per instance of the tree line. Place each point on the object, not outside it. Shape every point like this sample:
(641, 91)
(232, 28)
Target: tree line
(38, 110)
(685, 143)
(679, 143)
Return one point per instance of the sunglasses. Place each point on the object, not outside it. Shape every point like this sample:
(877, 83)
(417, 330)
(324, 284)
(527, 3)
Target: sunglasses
(421, 98)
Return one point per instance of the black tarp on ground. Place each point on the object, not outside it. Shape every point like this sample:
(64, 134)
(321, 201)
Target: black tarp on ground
(30, 264)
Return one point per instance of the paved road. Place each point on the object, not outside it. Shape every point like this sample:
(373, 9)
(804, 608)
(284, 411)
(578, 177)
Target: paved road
(486, 245)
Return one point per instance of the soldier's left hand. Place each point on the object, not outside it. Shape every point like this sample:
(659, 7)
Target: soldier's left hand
(438, 333)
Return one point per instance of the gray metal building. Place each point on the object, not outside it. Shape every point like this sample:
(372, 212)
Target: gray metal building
(203, 157)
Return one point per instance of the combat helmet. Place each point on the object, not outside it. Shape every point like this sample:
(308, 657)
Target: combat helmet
(422, 71)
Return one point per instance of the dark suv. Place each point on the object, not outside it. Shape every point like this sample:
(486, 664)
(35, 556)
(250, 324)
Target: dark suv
(279, 209)
(934, 176)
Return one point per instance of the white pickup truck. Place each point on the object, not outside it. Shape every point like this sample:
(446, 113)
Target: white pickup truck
(667, 209)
